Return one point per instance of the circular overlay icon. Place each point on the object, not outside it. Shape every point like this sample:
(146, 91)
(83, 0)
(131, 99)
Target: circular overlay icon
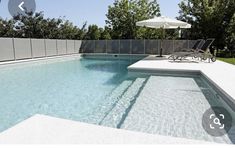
(217, 121)
(21, 7)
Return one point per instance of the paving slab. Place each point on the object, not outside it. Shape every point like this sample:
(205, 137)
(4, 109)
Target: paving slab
(41, 129)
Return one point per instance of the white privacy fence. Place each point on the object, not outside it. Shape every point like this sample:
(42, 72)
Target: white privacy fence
(24, 48)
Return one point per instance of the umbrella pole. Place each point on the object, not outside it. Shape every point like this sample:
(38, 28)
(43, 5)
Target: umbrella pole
(161, 49)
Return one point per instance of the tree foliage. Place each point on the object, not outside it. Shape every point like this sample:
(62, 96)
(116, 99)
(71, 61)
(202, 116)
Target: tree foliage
(209, 19)
(36, 26)
(230, 40)
(123, 15)
(7, 28)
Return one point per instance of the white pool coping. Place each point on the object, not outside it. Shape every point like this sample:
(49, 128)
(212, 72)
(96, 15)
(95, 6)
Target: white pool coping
(41, 129)
(41, 60)
(221, 74)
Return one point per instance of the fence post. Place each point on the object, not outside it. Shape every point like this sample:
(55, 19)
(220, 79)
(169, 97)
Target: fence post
(159, 42)
(83, 50)
(14, 50)
(144, 47)
(45, 47)
(106, 47)
(74, 46)
(57, 52)
(119, 41)
(31, 46)
(188, 43)
(130, 52)
(66, 47)
(94, 46)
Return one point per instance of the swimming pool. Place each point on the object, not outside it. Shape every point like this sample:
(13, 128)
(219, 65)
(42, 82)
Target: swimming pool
(100, 91)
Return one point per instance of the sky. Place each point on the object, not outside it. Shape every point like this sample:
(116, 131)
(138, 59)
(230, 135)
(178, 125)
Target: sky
(80, 11)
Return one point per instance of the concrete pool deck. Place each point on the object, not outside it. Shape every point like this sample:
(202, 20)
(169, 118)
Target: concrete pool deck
(41, 129)
(219, 73)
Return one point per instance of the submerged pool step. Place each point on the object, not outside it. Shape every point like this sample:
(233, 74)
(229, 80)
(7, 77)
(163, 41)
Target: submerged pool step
(102, 110)
(118, 113)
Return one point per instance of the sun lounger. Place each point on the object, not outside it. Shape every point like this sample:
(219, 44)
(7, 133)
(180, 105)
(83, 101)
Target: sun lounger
(203, 53)
(179, 54)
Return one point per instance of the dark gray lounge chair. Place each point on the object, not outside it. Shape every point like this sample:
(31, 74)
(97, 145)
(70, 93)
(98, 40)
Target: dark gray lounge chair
(178, 54)
(203, 53)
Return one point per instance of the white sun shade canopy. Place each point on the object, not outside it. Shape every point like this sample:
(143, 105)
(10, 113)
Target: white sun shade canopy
(163, 22)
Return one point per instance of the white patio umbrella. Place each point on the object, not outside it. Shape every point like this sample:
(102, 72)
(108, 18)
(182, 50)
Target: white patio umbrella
(163, 23)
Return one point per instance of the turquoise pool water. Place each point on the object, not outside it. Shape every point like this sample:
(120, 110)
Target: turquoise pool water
(101, 92)
(70, 89)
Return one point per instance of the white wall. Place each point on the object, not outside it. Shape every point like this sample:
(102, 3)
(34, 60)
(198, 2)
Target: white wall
(6, 49)
(51, 49)
(22, 48)
(61, 47)
(38, 48)
(78, 44)
(70, 46)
